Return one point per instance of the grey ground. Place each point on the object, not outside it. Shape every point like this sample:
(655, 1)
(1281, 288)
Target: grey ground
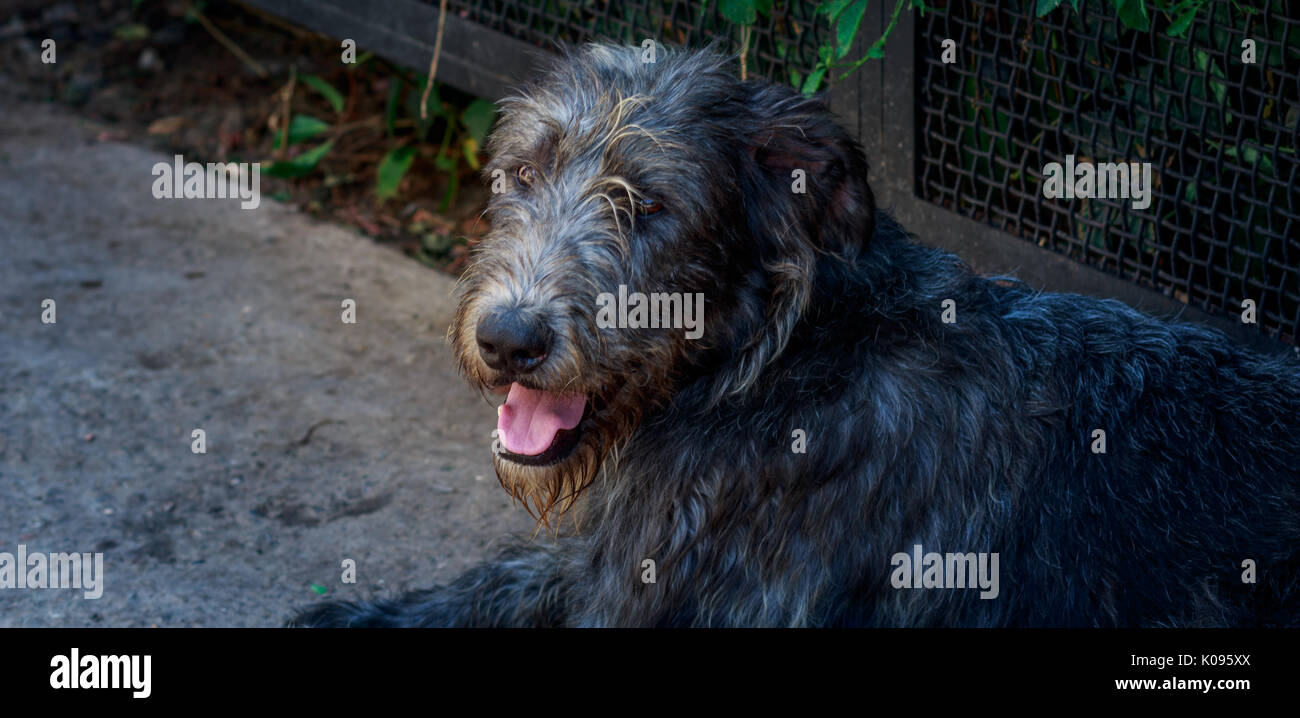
(182, 314)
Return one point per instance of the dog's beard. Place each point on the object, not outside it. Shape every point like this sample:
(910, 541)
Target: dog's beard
(550, 492)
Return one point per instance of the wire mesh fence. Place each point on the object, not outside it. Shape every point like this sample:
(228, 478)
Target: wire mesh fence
(1220, 133)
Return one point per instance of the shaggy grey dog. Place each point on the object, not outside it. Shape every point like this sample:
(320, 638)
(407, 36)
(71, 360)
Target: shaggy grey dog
(804, 457)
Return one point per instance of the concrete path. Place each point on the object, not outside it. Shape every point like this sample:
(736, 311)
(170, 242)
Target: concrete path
(325, 440)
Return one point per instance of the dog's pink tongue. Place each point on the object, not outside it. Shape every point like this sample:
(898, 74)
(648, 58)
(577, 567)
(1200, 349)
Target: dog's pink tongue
(530, 419)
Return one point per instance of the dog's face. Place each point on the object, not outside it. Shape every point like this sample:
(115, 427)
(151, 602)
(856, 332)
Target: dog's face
(619, 182)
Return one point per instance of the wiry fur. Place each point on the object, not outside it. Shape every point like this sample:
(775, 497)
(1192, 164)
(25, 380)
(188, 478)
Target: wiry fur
(823, 315)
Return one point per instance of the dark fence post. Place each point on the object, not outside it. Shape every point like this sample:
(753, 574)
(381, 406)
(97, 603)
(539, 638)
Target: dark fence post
(474, 59)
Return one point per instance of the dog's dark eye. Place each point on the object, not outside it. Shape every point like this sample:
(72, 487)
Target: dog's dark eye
(525, 176)
(645, 205)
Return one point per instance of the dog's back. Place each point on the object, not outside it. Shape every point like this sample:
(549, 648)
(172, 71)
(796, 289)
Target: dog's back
(977, 435)
(1172, 493)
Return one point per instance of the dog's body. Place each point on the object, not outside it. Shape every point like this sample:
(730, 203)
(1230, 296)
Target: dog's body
(825, 332)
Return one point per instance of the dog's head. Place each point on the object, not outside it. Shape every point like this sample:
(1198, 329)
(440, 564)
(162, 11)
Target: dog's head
(633, 187)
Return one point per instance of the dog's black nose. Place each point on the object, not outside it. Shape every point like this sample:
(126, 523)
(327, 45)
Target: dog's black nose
(512, 341)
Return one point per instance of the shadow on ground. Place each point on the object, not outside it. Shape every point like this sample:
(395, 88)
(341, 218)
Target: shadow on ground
(325, 440)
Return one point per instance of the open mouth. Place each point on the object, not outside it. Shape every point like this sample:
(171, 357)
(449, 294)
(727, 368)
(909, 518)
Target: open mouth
(537, 427)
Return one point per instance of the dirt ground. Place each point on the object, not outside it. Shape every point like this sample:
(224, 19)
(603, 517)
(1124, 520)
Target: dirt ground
(159, 78)
(325, 440)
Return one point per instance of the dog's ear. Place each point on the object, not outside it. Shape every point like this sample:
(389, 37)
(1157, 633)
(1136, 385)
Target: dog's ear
(799, 150)
(804, 186)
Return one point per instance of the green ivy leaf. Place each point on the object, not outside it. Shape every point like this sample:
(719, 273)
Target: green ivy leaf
(739, 12)
(846, 28)
(1133, 13)
(302, 165)
(478, 118)
(1183, 21)
(326, 90)
(833, 9)
(392, 168)
(303, 127)
(814, 81)
(1046, 6)
(1251, 156)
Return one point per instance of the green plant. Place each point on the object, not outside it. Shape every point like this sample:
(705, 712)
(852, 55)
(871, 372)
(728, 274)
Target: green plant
(460, 132)
(844, 18)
